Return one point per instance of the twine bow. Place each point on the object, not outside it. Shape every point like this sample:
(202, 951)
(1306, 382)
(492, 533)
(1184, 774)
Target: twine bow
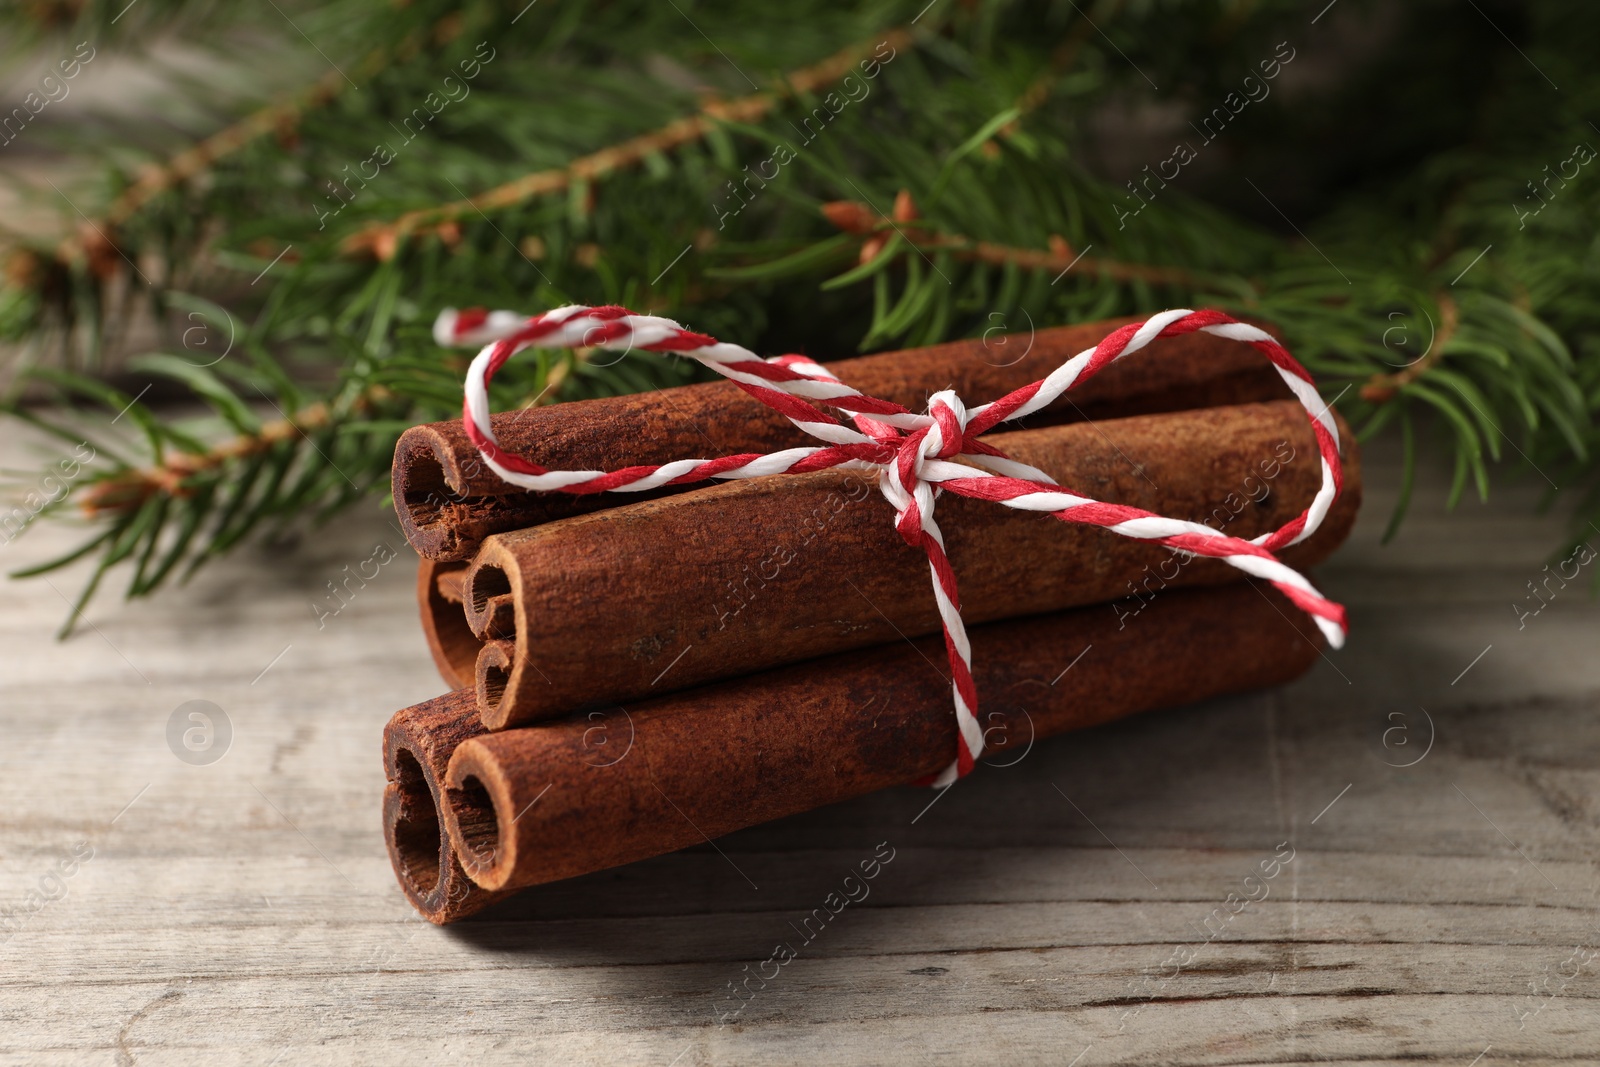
(916, 456)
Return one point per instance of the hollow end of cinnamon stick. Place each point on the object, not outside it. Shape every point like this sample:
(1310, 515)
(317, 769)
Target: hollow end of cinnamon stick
(488, 850)
(437, 516)
(447, 504)
(422, 495)
(498, 664)
(417, 745)
(451, 642)
(504, 677)
(412, 820)
(488, 596)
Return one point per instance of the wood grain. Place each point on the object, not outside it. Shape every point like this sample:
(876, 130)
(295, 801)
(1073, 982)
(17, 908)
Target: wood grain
(243, 912)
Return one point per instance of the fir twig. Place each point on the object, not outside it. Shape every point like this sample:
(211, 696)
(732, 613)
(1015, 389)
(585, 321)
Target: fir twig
(94, 238)
(131, 489)
(859, 220)
(382, 239)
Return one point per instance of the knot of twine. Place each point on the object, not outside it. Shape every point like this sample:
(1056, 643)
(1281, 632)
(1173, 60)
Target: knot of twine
(916, 456)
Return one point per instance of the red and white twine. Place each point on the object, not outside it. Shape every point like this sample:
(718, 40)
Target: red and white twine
(916, 456)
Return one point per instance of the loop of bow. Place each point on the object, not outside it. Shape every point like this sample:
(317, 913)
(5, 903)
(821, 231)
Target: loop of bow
(916, 456)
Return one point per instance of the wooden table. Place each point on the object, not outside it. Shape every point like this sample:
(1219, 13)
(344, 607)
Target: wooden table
(242, 911)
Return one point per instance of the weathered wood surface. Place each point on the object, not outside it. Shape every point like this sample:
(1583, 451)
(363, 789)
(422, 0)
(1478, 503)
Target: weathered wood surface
(243, 912)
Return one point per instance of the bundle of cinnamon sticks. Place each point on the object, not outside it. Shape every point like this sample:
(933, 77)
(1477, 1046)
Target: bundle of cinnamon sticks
(632, 674)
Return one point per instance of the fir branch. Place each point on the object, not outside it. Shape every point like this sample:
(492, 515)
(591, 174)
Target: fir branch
(94, 240)
(383, 239)
(191, 163)
(133, 488)
(859, 220)
(1057, 259)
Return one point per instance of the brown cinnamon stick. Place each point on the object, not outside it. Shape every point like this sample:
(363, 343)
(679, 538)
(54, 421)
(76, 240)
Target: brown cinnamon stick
(447, 500)
(417, 745)
(548, 802)
(656, 596)
(450, 640)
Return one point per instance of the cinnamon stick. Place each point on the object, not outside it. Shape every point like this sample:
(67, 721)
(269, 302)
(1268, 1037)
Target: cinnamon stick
(582, 794)
(638, 600)
(448, 500)
(417, 745)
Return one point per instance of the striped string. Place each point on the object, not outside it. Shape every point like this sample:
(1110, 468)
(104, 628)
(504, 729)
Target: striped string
(915, 455)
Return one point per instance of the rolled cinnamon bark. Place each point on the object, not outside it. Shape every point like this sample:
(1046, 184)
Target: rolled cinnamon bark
(417, 745)
(548, 802)
(670, 593)
(451, 642)
(448, 500)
